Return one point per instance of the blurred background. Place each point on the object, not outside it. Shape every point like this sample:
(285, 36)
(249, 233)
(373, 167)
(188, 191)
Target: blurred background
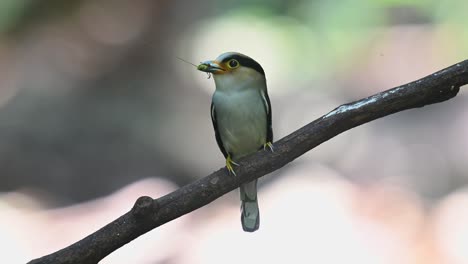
(96, 110)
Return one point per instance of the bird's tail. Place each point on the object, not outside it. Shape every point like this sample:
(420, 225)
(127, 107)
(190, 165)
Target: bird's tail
(250, 217)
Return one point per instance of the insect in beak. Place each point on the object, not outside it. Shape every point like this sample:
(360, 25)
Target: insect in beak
(201, 67)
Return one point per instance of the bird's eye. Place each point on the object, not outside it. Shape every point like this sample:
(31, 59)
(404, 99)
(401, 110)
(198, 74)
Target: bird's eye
(233, 64)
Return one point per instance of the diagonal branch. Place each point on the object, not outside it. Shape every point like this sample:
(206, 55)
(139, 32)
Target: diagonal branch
(148, 214)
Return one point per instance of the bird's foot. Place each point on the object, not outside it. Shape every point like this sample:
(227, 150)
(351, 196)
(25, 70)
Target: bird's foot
(229, 163)
(269, 145)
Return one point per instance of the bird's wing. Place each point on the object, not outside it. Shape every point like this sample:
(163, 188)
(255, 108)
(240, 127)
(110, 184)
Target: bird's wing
(215, 126)
(267, 104)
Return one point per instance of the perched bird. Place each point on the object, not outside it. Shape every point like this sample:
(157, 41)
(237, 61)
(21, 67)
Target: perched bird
(241, 115)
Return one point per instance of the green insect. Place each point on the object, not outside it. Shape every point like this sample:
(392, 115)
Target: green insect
(201, 67)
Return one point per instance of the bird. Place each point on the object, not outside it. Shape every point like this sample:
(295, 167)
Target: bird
(241, 116)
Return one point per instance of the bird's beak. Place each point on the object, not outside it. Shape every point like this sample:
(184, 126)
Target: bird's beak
(210, 66)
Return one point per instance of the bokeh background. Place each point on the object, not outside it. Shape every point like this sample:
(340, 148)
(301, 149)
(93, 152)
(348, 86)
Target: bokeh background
(96, 110)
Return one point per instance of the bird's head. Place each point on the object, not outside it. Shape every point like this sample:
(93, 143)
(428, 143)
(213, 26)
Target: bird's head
(232, 70)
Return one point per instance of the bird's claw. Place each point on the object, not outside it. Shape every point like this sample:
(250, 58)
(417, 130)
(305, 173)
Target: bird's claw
(269, 145)
(229, 163)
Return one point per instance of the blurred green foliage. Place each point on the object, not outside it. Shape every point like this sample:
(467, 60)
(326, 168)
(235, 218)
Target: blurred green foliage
(330, 33)
(10, 13)
(18, 15)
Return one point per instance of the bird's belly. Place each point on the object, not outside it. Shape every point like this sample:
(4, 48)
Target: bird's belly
(242, 139)
(242, 124)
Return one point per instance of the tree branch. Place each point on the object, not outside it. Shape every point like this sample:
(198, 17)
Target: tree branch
(148, 214)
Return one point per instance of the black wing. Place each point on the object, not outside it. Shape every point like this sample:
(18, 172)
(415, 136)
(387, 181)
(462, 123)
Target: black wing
(217, 135)
(268, 111)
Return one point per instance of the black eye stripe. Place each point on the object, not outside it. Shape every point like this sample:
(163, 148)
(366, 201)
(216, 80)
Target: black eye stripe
(246, 62)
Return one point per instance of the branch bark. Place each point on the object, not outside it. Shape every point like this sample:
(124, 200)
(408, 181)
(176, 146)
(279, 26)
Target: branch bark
(149, 213)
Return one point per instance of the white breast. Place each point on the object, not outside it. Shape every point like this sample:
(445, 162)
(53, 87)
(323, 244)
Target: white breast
(241, 119)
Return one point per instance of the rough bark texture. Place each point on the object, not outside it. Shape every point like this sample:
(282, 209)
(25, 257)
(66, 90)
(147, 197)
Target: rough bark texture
(149, 213)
